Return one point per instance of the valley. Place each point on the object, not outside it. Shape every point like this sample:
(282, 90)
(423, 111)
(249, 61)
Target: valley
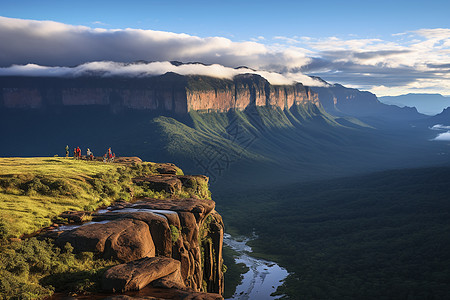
(341, 194)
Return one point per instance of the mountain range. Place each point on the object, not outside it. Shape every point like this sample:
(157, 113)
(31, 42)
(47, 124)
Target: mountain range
(223, 128)
(429, 104)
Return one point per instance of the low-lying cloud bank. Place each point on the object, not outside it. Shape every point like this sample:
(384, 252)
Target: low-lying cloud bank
(57, 44)
(440, 127)
(108, 68)
(443, 137)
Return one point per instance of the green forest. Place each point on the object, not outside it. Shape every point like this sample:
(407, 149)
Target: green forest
(378, 236)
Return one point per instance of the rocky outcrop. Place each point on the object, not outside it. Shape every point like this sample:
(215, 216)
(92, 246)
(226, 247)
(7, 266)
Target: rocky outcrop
(138, 274)
(169, 92)
(188, 231)
(124, 239)
(171, 246)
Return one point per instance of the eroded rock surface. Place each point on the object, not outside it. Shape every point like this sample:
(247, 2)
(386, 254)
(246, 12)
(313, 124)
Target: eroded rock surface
(186, 231)
(172, 244)
(137, 274)
(122, 239)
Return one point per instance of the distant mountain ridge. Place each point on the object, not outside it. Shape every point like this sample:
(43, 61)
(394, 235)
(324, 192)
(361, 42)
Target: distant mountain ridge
(181, 94)
(341, 101)
(443, 118)
(430, 104)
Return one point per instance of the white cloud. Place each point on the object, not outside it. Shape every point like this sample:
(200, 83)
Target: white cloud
(415, 61)
(99, 23)
(443, 137)
(440, 127)
(57, 44)
(287, 40)
(108, 68)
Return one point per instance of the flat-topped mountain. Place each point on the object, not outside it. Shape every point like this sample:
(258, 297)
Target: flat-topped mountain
(180, 94)
(430, 104)
(169, 92)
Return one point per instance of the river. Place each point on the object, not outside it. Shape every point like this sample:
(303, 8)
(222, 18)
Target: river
(263, 277)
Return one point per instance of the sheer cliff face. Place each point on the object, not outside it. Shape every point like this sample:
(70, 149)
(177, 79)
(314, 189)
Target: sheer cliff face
(241, 95)
(186, 232)
(244, 91)
(169, 92)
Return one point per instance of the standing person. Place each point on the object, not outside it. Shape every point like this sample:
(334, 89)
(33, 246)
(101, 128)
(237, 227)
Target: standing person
(67, 150)
(79, 152)
(75, 153)
(88, 154)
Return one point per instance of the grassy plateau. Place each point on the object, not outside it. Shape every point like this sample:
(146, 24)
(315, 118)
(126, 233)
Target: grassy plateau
(34, 192)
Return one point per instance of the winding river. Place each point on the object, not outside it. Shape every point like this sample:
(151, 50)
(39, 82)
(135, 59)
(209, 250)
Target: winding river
(263, 277)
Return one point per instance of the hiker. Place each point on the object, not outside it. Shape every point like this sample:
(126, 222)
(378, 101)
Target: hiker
(78, 152)
(75, 153)
(108, 156)
(89, 154)
(67, 150)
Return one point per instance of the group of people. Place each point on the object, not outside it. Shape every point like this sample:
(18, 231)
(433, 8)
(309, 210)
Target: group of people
(108, 157)
(77, 153)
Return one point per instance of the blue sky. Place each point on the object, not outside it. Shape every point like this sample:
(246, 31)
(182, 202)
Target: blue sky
(387, 47)
(242, 20)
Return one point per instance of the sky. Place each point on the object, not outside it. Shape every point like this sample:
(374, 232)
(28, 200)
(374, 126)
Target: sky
(386, 47)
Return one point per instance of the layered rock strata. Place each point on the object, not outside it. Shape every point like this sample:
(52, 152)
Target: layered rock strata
(169, 92)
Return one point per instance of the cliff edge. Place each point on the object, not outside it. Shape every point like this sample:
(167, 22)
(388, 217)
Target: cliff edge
(158, 235)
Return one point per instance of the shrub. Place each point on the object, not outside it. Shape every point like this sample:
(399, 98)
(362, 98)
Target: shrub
(4, 232)
(174, 233)
(35, 268)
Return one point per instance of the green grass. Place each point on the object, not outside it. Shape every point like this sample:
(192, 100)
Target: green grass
(29, 194)
(34, 191)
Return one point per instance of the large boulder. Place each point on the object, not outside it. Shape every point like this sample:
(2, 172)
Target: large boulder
(172, 281)
(158, 225)
(160, 183)
(137, 274)
(128, 160)
(168, 168)
(123, 239)
(199, 207)
(74, 216)
(170, 294)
